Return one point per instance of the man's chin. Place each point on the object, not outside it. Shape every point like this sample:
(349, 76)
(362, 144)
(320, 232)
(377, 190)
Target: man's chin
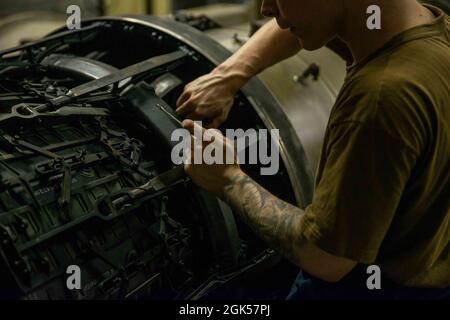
(310, 45)
(305, 43)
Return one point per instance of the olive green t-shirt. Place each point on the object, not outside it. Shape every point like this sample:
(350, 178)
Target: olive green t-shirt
(383, 184)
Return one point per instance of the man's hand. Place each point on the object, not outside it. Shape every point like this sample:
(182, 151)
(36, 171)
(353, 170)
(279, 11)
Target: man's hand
(275, 221)
(209, 98)
(213, 177)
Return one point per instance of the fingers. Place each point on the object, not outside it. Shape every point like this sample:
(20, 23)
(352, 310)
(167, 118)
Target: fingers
(207, 136)
(212, 115)
(215, 123)
(216, 119)
(183, 98)
(195, 152)
(188, 169)
(191, 126)
(219, 117)
(185, 108)
(195, 115)
(192, 109)
(199, 128)
(212, 121)
(203, 114)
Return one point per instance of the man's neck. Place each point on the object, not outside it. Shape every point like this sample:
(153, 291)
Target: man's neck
(396, 17)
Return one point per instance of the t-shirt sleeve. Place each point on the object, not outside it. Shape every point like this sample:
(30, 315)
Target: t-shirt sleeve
(358, 191)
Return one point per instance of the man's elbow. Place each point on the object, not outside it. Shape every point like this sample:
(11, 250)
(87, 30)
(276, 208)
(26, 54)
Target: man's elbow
(322, 265)
(332, 276)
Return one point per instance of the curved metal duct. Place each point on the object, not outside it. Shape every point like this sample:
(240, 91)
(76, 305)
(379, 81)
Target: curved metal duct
(76, 154)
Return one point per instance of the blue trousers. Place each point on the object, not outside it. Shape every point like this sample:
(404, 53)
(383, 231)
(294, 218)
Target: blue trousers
(353, 287)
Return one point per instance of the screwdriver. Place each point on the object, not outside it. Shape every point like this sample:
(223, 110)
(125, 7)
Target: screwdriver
(173, 117)
(169, 114)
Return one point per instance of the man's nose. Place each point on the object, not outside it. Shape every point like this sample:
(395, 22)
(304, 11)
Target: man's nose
(269, 8)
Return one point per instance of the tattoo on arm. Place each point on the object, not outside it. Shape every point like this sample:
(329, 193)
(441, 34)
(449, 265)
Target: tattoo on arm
(275, 221)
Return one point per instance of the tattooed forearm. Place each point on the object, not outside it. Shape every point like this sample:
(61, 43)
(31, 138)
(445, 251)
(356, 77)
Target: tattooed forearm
(275, 221)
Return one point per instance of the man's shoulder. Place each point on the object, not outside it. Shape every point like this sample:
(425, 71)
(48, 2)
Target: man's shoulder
(405, 78)
(419, 61)
(386, 100)
(373, 93)
(401, 88)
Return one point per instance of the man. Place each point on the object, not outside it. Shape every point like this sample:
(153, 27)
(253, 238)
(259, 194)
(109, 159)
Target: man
(383, 186)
